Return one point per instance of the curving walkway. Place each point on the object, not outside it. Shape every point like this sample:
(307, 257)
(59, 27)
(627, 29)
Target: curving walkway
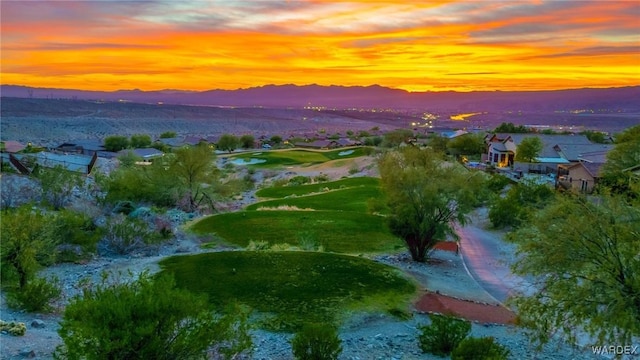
(487, 259)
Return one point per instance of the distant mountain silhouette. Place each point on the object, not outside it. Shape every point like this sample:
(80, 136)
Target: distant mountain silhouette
(375, 96)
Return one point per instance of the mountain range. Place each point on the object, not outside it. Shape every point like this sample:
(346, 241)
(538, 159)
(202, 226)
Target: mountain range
(625, 99)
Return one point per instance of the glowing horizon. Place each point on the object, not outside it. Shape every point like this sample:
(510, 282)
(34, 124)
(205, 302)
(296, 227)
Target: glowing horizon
(203, 45)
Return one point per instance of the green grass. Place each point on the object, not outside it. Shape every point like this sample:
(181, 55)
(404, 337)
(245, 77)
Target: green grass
(349, 199)
(298, 157)
(291, 288)
(284, 191)
(336, 231)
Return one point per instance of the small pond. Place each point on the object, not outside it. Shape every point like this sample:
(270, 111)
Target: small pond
(250, 161)
(345, 153)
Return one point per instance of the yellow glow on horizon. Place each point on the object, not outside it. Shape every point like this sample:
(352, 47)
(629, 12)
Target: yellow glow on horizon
(331, 43)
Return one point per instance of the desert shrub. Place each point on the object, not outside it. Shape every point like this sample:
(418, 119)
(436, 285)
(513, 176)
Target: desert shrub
(354, 169)
(375, 205)
(316, 342)
(484, 348)
(13, 328)
(321, 178)
(281, 247)
(123, 235)
(497, 183)
(76, 234)
(149, 318)
(280, 182)
(299, 180)
(36, 296)
(258, 246)
(308, 241)
(368, 151)
(443, 335)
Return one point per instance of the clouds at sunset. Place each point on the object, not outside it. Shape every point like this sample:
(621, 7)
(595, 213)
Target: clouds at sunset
(443, 45)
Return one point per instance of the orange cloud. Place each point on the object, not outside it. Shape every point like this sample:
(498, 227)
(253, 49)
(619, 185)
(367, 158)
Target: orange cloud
(447, 45)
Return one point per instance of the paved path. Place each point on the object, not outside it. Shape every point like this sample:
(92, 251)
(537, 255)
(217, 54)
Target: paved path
(485, 258)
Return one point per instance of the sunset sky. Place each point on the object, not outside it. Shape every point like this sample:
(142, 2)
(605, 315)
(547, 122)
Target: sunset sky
(412, 45)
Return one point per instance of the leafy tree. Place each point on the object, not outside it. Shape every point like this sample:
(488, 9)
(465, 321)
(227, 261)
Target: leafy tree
(529, 149)
(438, 143)
(397, 137)
(594, 136)
(426, 196)
(116, 143)
(140, 141)
(583, 257)
(228, 142)
(520, 203)
(26, 243)
(148, 319)
(193, 167)
(316, 342)
(58, 184)
(168, 135)
(625, 154)
(275, 139)
(128, 159)
(511, 128)
(363, 134)
(247, 141)
(467, 144)
(373, 141)
(178, 179)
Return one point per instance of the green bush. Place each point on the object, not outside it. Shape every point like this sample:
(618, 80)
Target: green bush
(497, 183)
(484, 348)
(123, 235)
(443, 335)
(76, 234)
(316, 342)
(321, 178)
(37, 295)
(299, 180)
(149, 319)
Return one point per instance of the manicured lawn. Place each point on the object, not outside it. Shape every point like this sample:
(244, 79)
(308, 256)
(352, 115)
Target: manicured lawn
(348, 199)
(298, 157)
(336, 231)
(290, 288)
(283, 191)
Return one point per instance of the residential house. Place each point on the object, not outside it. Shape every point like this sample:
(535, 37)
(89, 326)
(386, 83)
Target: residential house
(556, 149)
(194, 140)
(83, 146)
(580, 176)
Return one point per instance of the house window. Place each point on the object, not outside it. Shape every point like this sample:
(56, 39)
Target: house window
(584, 185)
(495, 158)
